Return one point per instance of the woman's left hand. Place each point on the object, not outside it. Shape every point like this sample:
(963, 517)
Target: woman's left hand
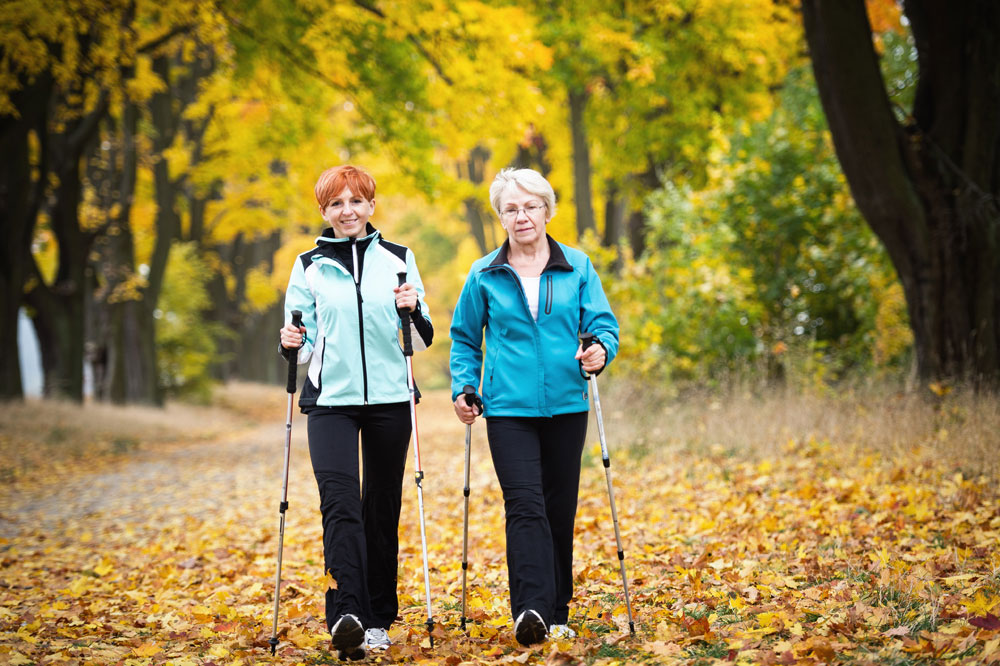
(593, 359)
(406, 297)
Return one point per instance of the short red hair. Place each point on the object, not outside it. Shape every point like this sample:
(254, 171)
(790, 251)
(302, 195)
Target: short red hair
(333, 181)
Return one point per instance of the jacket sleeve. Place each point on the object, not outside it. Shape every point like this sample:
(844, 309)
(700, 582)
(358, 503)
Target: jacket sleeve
(595, 313)
(467, 336)
(298, 296)
(421, 329)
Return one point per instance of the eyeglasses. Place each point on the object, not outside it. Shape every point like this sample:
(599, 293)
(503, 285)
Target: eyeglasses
(530, 210)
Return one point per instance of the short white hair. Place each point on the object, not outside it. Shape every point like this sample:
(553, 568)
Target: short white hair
(528, 180)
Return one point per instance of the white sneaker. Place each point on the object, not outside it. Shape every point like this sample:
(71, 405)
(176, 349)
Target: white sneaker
(529, 628)
(377, 638)
(561, 631)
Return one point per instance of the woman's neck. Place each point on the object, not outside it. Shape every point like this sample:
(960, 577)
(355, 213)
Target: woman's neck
(529, 260)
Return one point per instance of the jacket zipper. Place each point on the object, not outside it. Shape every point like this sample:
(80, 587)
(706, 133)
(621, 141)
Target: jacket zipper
(361, 317)
(548, 294)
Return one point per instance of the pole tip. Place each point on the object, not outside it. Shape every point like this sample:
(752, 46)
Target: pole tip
(274, 644)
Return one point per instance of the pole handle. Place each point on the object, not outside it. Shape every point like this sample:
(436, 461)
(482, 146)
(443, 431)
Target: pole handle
(293, 356)
(586, 340)
(471, 399)
(404, 317)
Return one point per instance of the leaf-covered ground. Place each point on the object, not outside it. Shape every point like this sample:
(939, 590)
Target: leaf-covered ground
(160, 549)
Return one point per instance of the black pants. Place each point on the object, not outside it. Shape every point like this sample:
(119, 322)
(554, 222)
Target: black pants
(537, 461)
(360, 531)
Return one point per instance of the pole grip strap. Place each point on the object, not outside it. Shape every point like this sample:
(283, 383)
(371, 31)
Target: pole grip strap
(404, 317)
(471, 399)
(293, 356)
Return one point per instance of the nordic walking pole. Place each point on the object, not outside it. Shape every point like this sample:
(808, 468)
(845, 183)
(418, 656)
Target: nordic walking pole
(404, 317)
(293, 364)
(472, 400)
(587, 339)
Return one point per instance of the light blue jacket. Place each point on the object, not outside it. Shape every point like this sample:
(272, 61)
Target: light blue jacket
(344, 289)
(530, 369)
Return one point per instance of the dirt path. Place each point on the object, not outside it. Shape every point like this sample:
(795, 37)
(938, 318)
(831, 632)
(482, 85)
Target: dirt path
(240, 467)
(186, 478)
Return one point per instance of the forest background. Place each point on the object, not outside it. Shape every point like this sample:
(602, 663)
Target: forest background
(160, 159)
(792, 204)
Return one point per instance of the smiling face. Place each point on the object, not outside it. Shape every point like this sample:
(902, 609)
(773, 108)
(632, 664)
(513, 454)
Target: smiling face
(347, 213)
(524, 216)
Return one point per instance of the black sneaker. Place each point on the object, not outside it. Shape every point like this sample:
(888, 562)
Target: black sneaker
(347, 635)
(529, 628)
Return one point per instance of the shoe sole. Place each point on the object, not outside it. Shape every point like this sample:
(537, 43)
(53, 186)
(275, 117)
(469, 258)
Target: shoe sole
(353, 654)
(530, 631)
(349, 639)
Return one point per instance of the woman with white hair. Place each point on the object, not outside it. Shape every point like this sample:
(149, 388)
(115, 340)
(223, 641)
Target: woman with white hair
(531, 299)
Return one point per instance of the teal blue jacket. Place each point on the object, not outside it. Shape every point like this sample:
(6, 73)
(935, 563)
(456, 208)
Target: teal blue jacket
(529, 369)
(344, 289)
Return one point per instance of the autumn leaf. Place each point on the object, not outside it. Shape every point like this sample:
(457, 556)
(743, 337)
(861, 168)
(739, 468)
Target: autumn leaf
(147, 650)
(991, 622)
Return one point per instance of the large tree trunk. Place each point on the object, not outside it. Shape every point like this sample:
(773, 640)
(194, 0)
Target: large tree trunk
(581, 162)
(20, 197)
(60, 307)
(928, 188)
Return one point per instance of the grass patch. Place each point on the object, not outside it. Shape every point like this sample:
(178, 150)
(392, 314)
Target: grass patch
(959, 428)
(612, 652)
(705, 653)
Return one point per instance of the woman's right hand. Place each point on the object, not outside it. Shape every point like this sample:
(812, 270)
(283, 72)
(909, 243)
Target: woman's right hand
(292, 337)
(466, 413)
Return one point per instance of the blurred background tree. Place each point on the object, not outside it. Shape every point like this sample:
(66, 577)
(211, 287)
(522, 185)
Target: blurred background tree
(160, 159)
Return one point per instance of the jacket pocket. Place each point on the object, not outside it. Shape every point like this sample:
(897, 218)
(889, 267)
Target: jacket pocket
(494, 355)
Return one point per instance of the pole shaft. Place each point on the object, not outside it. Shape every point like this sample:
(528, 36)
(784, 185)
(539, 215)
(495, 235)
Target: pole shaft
(281, 515)
(420, 490)
(465, 529)
(611, 497)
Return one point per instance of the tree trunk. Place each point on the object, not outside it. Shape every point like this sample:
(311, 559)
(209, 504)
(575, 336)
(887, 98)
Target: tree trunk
(20, 198)
(581, 162)
(478, 219)
(60, 307)
(131, 372)
(532, 153)
(615, 207)
(59, 323)
(928, 188)
(165, 121)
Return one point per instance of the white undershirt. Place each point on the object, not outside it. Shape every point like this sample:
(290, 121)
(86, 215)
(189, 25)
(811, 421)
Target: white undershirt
(531, 285)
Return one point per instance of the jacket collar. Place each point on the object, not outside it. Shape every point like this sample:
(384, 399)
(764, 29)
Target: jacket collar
(557, 259)
(328, 237)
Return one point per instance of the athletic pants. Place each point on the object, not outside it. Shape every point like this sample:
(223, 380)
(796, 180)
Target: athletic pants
(537, 461)
(360, 530)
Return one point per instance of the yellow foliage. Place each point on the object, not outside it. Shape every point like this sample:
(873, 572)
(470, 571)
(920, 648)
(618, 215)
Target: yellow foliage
(260, 291)
(893, 335)
(144, 83)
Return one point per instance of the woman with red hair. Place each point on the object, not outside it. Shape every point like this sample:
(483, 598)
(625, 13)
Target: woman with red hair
(347, 290)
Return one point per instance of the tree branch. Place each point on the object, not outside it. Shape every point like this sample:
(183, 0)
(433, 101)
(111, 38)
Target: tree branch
(154, 44)
(411, 38)
(869, 142)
